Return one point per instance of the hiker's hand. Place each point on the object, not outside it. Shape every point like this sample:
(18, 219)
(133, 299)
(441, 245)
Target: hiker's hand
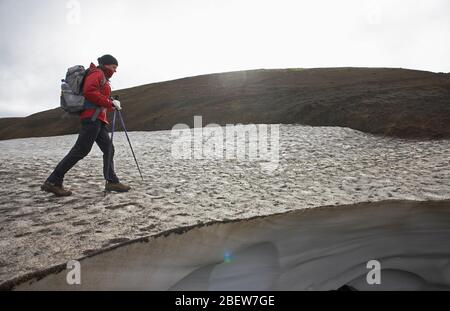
(116, 104)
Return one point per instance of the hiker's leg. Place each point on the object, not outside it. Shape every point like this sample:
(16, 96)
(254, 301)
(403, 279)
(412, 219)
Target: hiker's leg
(87, 135)
(104, 142)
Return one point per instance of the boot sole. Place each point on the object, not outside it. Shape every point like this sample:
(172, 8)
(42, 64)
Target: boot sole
(114, 190)
(43, 188)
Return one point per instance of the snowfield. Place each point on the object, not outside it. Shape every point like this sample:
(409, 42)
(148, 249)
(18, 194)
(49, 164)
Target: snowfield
(318, 166)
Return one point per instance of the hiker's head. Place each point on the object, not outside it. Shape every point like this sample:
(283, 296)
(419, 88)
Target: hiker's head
(108, 64)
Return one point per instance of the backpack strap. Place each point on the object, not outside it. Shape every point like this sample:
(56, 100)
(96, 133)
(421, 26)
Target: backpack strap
(96, 114)
(99, 109)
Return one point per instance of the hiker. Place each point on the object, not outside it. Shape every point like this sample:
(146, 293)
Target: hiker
(96, 90)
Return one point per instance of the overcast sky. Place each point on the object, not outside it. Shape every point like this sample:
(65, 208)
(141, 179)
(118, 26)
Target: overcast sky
(159, 40)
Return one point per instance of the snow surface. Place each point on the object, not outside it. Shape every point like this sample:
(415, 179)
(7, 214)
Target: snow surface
(319, 166)
(310, 249)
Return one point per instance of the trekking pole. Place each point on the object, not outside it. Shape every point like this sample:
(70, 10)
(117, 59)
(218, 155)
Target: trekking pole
(108, 165)
(129, 142)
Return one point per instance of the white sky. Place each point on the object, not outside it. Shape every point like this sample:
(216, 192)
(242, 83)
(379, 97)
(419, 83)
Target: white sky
(159, 40)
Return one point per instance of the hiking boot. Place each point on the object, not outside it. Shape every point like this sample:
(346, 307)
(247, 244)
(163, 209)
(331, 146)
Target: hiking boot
(118, 187)
(59, 191)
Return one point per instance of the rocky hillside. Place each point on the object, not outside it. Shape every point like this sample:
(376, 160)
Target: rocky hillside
(393, 102)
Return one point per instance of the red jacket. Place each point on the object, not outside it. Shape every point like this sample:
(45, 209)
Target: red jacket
(97, 94)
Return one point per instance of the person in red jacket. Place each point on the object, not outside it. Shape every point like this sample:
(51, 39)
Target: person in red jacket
(97, 91)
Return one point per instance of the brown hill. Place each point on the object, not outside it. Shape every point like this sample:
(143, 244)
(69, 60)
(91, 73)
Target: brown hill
(395, 102)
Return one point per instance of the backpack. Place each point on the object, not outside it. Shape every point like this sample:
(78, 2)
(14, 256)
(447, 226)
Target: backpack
(72, 99)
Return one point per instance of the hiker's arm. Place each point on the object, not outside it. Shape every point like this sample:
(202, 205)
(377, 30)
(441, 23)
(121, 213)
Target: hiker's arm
(91, 90)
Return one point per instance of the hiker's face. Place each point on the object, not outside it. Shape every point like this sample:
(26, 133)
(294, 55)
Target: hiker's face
(110, 70)
(112, 67)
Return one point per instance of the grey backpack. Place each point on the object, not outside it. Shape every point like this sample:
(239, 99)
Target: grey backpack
(72, 99)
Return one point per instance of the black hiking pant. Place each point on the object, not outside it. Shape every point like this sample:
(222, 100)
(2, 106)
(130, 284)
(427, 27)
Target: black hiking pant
(90, 132)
